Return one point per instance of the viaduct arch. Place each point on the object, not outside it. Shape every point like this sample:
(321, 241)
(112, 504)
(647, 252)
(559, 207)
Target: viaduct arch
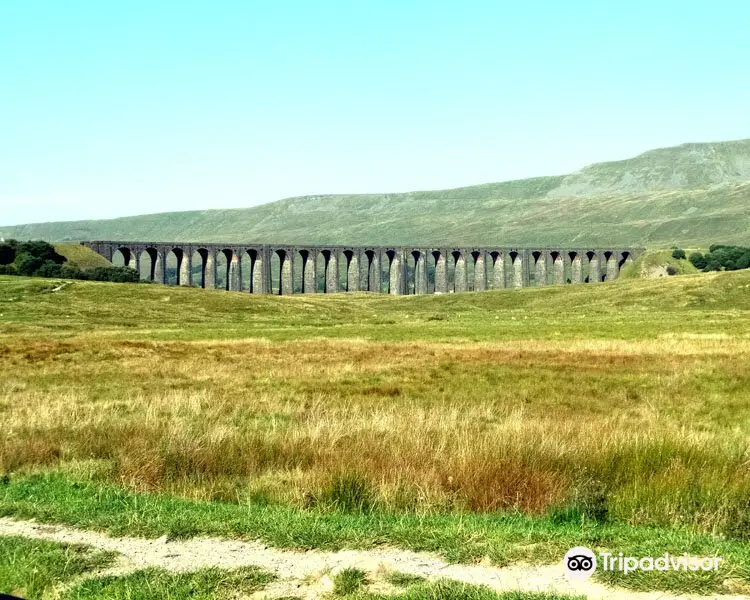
(395, 270)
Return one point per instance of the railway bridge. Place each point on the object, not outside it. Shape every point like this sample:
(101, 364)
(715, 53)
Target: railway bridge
(294, 268)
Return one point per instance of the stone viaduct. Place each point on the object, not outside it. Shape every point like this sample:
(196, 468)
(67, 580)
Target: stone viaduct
(391, 269)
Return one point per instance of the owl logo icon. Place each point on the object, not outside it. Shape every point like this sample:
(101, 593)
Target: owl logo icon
(579, 563)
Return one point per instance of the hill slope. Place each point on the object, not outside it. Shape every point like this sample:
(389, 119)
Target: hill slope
(83, 257)
(695, 194)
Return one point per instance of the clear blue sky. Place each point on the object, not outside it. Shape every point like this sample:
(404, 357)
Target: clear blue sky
(116, 108)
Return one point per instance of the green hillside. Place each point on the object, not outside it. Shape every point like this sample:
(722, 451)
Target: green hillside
(690, 195)
(83, 257)
(653, 264)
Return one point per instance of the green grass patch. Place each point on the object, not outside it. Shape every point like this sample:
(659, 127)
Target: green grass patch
(401, 579)
(349, 581)
(503, 538)
(452, 590)
(678, 582)
(30, 568)
(705, 304)
(158, 584)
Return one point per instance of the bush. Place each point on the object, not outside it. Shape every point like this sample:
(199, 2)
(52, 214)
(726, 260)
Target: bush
(71, 272)
(49, 269)
(41, 250)
(672, 270)
(39, 259)
(7, 254)
(27, 264)
(114, 274)
(678, 253)
(698, 260)
(720, 258)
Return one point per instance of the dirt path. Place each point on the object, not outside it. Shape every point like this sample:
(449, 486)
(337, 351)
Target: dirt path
(309, 574)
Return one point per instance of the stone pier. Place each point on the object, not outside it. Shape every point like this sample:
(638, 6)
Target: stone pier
(411, 269)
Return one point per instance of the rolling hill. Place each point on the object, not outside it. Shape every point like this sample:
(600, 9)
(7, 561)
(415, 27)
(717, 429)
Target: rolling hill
(691, 195)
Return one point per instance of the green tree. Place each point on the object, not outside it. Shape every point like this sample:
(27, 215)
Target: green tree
(41, 249)
(698, 260)
(48, 269)
(7, 254)
(27, 264)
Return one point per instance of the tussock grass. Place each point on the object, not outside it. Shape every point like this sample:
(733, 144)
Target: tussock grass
(349, 581)
(624, 402)
(531, 427)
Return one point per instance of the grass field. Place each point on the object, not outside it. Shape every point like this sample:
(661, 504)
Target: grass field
(509, 425)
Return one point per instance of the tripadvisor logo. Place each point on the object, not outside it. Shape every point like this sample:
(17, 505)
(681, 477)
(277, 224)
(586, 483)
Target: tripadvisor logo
(580, 562)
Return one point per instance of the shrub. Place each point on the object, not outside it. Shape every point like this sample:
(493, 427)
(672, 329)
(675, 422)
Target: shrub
(720, 258)
(672, 270)
(678, 253)
(42, 250)
(49, 269)
(38, 258)
(69, 271)
(7, 254)
(114, 274)
(698, 260)
(27, 264)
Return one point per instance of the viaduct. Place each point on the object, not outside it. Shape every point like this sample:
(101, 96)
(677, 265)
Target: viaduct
(391, 269)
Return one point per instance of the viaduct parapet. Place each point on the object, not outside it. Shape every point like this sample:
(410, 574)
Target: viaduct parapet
(289, 269)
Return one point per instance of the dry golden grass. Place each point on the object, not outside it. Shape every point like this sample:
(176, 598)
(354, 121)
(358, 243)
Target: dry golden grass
(655, 430)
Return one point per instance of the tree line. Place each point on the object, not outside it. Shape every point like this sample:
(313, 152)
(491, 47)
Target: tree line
(719, 257)
(39, 259)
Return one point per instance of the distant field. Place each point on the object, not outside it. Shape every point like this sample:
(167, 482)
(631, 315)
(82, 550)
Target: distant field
(603, 406)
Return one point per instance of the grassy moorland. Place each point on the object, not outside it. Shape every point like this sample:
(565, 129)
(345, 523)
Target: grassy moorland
(502, 424)
(690, 195)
